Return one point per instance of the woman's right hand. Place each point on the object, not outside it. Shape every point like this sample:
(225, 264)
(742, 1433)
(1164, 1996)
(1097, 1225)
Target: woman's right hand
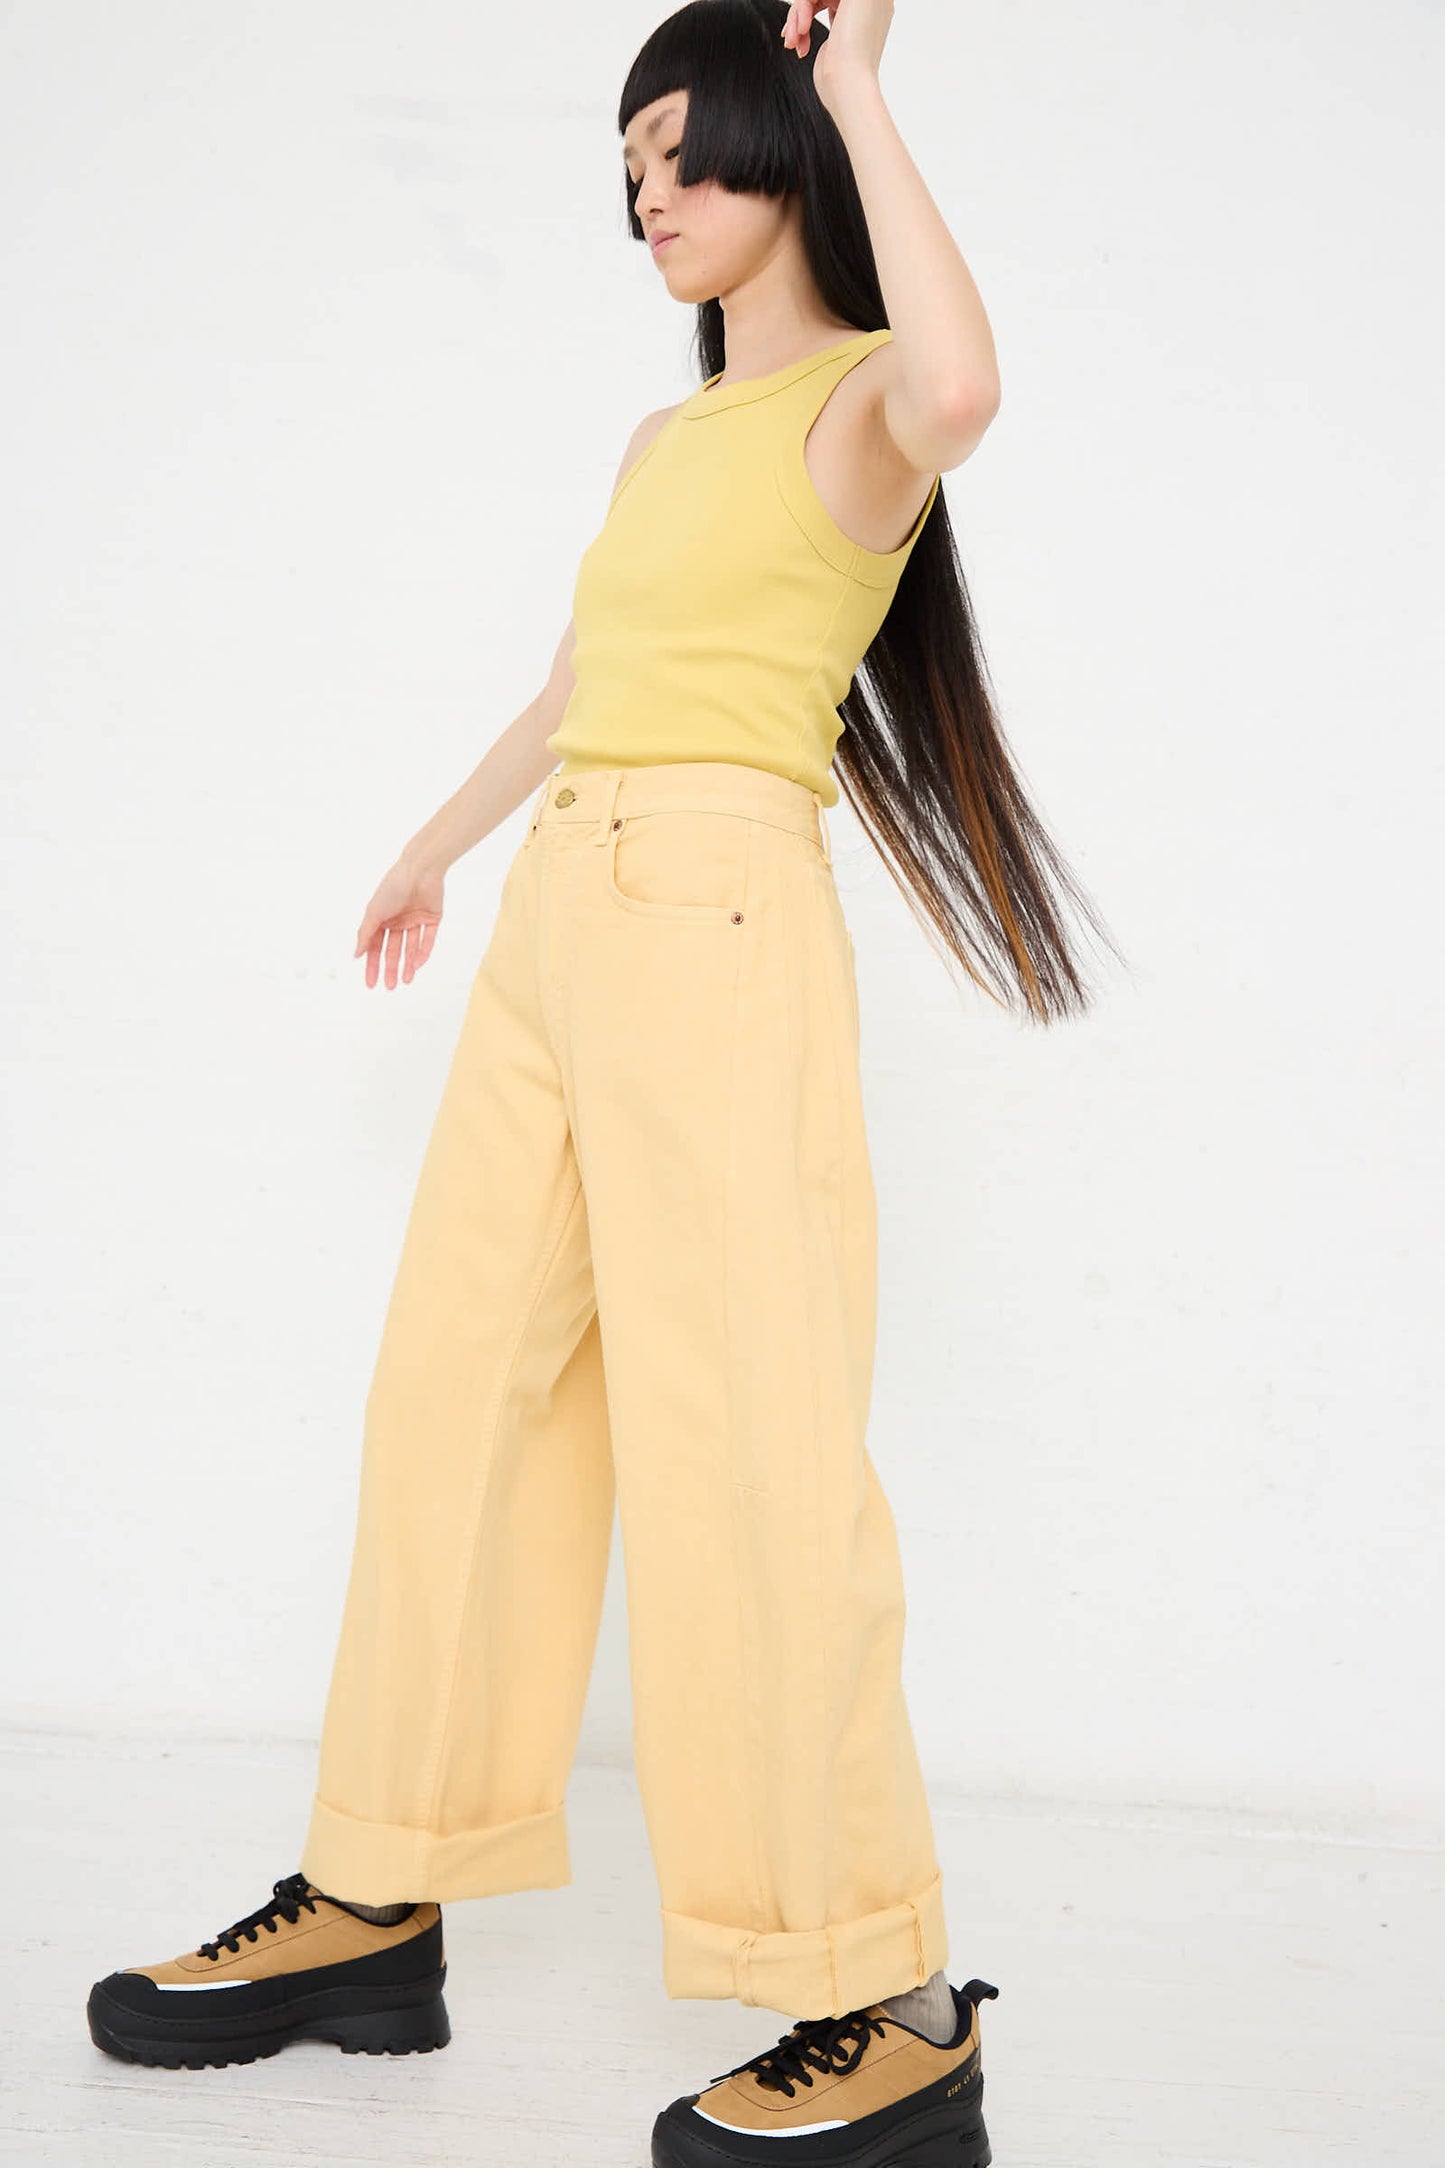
(402, 919)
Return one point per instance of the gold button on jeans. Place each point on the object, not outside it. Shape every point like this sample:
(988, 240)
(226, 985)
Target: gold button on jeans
(565, 797)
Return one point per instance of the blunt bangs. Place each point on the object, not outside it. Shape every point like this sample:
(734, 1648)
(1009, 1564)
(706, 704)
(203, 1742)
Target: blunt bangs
(742, 127)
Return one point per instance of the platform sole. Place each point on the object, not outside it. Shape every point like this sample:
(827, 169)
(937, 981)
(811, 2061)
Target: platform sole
(356, 2020)
(940, 2139)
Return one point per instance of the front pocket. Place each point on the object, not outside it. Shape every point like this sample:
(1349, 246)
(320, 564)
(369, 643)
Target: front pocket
(682, 864)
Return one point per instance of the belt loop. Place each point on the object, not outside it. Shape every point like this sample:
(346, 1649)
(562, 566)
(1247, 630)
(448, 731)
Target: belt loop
(605, 818)
(824, 836)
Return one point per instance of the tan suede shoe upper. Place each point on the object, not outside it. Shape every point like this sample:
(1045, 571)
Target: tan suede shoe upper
(892, 2065)
(321, 1934)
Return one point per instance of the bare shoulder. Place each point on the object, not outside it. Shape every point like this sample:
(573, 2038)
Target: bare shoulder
(643, 436)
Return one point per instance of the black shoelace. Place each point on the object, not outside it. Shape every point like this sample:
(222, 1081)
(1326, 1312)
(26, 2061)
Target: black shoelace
(288, 1896)
(832, 2045)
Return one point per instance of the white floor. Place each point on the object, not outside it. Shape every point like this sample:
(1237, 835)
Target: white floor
(1173, 1989)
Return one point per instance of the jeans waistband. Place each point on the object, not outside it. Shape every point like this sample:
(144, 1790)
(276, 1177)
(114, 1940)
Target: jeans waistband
(595, 798)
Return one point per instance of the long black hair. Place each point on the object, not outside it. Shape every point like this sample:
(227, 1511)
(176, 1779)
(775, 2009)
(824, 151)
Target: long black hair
(922, 757)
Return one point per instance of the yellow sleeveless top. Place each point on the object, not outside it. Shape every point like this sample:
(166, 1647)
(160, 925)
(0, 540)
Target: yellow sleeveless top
(720, 614)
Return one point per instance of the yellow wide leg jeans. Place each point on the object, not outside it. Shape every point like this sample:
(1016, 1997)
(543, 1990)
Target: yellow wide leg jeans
(640, 1271)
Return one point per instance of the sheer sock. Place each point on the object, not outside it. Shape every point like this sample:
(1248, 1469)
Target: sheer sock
(928, 2009)
(379, 1915)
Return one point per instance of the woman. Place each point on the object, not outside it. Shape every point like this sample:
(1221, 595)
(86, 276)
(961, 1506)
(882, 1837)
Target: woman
(640, 1265)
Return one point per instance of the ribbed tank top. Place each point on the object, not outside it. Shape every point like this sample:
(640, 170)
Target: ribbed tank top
(720, 613)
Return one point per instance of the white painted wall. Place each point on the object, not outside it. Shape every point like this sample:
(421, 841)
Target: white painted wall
(325, 338)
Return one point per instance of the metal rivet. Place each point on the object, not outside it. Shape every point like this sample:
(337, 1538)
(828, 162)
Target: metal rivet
(737, 918)
(565, 797)
(617, 824)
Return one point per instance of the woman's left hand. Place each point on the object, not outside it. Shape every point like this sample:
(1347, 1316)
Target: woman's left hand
(857, 30)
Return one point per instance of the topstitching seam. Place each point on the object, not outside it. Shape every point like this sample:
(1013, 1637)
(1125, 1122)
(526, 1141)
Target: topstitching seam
(427, 1789)
(751, 1683)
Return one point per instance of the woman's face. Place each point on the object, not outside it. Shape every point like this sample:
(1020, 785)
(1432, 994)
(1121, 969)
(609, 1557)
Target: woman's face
(718, 239)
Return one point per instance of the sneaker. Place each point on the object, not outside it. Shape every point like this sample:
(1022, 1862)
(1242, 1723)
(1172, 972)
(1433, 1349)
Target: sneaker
(859, 2091)
(300, 1968)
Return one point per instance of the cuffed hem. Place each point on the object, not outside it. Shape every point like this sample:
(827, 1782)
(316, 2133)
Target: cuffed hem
(380, 1863)
(818, 1972)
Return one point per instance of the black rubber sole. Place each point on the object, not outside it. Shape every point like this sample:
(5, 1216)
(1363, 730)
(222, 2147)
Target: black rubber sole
(938, 2139)
(359, 2021)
